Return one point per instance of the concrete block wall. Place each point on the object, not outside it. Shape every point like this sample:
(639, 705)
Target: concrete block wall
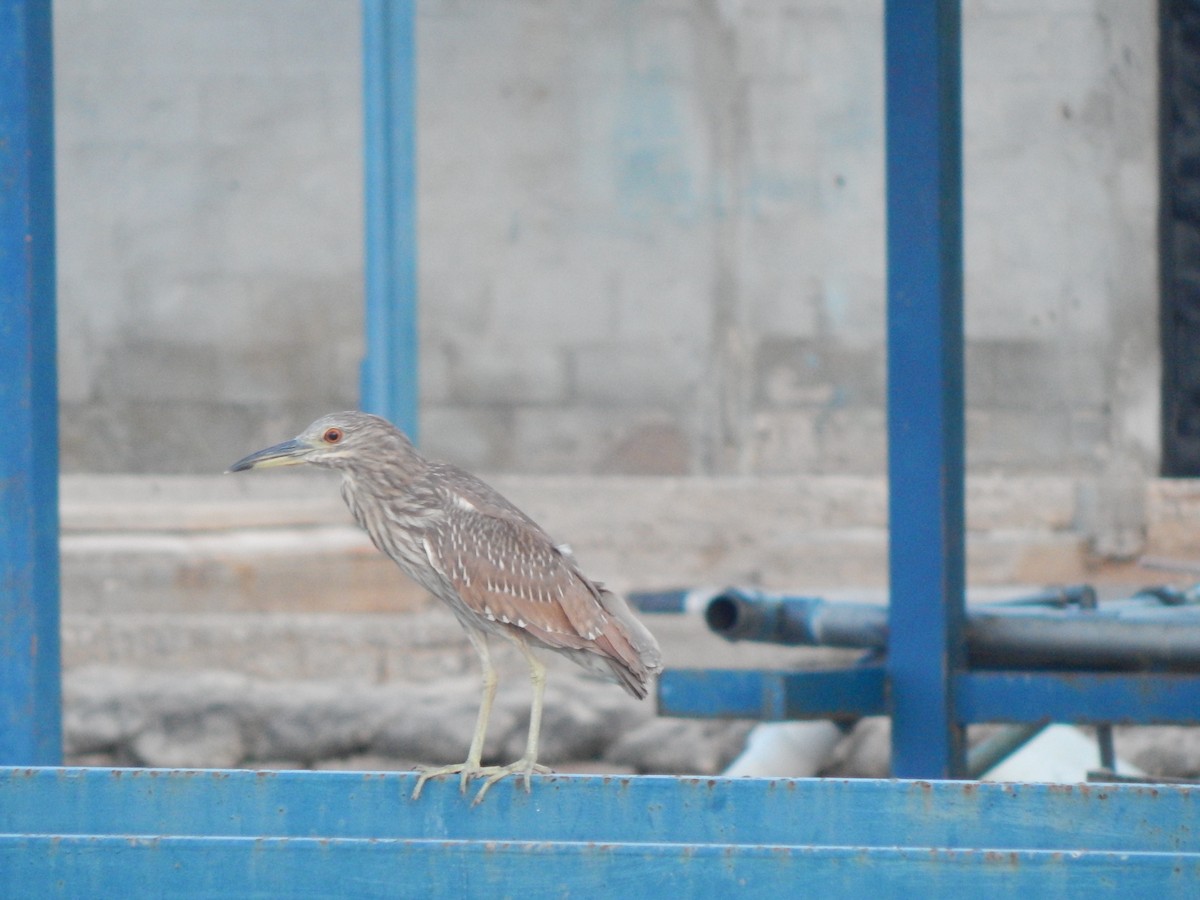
(209, 215)
(651, 234)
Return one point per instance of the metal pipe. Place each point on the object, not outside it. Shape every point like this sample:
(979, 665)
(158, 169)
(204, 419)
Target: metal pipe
(1081, 595)
(1133, 635)
(738, 615)
(670, 601)
(1084, 640)
(389, 374)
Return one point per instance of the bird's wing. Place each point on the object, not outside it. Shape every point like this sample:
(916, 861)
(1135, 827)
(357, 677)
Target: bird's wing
(508, 570)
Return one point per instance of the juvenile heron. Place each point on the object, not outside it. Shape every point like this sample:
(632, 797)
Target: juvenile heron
(496, 569)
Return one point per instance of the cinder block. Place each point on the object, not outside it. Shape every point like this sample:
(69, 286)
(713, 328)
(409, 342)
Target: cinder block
(818, 374)
(853, 440)
(784, 441)
(475, 437)
(1004, 374)
(559, 440)
(1030, 440)
(642, 373)
(485, 373)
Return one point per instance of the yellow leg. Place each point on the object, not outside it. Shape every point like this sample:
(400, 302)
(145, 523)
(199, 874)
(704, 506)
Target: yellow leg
(471, 768)
(527, 764)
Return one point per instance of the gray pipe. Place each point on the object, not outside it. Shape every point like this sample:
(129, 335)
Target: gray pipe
(1130, 635)
(747, 616)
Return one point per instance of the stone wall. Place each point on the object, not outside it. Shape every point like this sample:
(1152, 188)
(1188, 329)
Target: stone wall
(651, 234)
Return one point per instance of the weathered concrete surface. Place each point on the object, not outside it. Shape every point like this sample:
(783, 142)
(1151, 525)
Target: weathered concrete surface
(651, 235)
(283, 542)
(224, 719)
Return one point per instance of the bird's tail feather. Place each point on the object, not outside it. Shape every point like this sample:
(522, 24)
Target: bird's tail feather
(635, 652)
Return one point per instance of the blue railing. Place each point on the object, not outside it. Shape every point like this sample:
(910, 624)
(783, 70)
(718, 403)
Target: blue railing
(104, 832)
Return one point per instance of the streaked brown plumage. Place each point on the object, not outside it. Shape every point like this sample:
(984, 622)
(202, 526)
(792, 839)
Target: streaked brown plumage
(496, 569)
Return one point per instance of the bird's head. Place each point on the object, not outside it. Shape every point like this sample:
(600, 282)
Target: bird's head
(338, 441)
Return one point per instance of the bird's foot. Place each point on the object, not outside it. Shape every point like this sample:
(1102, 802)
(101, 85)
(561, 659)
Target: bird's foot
(525, 766)
(467, 770)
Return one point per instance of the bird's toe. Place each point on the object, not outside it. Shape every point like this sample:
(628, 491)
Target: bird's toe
(522, 767)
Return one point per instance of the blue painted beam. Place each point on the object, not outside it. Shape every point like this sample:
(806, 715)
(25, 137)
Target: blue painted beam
(692, 811)
(925, 383)
(772, 696)
(1085, 698)
(39, 867)
(30, 729)
(389, 382)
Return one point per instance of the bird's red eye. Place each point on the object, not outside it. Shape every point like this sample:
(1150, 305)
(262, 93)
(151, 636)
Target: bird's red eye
(333, 435)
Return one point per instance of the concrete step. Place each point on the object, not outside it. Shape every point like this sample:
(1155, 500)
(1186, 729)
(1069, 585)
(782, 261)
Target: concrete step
(369, 648)
(284, 542)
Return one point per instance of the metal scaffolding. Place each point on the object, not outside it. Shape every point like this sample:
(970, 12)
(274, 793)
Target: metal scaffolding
(100, 832)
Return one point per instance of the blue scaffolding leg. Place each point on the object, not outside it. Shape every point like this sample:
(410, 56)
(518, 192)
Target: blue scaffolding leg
(30, 703)
(925, 384)
(389, 371)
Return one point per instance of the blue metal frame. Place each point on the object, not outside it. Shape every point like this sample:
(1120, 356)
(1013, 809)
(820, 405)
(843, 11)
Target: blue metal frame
(30, 702)
(930, 690)
(773, 696)
(389, 383)
(925, 384)
(102, 832)
(1085, 698)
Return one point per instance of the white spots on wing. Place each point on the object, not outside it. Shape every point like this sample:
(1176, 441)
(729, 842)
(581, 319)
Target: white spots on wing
(511, 576)
(429, 554)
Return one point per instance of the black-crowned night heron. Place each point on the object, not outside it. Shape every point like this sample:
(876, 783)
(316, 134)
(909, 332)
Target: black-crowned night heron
(496, 569)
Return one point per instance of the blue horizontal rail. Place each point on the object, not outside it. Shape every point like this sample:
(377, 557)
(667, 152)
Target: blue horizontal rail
(772, 696)
(629, 809)
(1082, 698)
(42, 867)
(106, 832)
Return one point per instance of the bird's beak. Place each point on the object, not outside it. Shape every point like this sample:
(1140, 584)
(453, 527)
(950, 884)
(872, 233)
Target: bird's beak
(289, 453)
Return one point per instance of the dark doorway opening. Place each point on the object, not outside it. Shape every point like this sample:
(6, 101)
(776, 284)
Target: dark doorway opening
(1179, 234)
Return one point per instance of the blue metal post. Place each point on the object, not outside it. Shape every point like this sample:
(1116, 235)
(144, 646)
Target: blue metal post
(389, 382)
(30, 702)
(925, 383)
